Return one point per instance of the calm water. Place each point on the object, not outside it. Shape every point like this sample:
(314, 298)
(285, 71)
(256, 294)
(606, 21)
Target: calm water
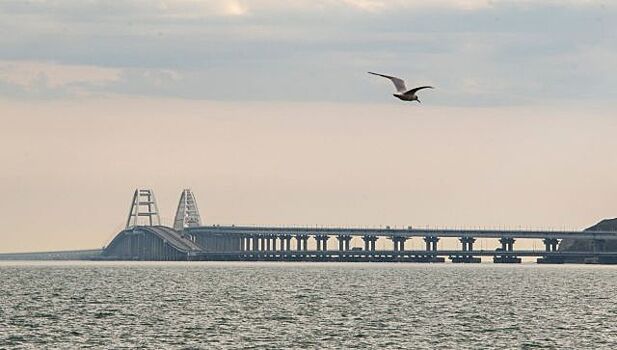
(306, 306)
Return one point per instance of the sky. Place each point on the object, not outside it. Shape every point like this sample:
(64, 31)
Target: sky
(264, 109)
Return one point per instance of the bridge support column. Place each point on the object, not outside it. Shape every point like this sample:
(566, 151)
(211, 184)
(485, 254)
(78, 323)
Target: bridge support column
(302, 242)
(273, 244)
(550, 244)
(431, 250)
(343, 243)
(305, 239)
(322, 242)
(431, 243)
(467, 243)
(398, 243)
(255, 246)
(369, 244)
(299, 242)
(507, 246)
(394, 240)
(285, 242)
(467, 246)
(550, 247)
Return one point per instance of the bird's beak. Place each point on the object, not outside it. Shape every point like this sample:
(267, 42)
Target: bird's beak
(420, 102)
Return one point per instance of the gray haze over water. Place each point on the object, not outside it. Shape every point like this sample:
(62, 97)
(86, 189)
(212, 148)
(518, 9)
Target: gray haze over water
(305, 305)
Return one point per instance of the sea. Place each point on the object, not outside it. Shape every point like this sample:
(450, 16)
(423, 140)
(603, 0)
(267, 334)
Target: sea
(283, 305)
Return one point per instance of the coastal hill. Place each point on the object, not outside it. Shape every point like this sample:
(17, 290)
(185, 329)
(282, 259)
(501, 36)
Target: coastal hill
(585, 245)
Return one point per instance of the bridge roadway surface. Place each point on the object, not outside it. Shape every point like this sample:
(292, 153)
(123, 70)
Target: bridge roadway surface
(173, 238)
(377, 253)
(412, 232)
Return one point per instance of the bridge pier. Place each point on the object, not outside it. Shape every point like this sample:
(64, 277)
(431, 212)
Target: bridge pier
(302, 242)
(398, 243)
(255, 246)
(507, 245)
(369, 242)
(431, 243)
(272, 245)
(401, 244)
(343, 244)
(298, 242)
(431, 250)
(322, 245)
(285, 245)
(467, 246)
(467, 243)
(322, 242)
(550, 246)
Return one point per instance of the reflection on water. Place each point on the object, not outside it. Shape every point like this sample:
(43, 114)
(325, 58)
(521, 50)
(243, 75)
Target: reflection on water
(305, 305)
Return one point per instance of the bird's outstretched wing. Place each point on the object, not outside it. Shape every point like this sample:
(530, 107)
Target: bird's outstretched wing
(399, 84)
(414, 90)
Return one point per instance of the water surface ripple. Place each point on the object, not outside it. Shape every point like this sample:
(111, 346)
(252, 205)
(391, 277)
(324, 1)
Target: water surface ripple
(306, 306)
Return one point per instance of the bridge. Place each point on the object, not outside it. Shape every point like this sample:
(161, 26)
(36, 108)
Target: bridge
(151, 243)
(190, 240)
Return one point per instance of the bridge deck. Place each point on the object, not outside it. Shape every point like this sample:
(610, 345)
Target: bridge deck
(412, 232)
(518, 253)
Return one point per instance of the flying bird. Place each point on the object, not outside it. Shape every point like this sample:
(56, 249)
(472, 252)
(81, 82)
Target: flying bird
(401, 90)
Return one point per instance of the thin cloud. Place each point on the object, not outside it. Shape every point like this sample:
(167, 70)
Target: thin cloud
(27, 73)
(476, 52)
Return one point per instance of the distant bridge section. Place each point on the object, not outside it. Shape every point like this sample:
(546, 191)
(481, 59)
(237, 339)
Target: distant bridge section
(87, 254)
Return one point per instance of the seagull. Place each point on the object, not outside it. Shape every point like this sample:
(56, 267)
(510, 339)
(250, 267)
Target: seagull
(401, 90)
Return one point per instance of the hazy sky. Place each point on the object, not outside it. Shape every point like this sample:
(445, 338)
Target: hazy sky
(265, 110)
